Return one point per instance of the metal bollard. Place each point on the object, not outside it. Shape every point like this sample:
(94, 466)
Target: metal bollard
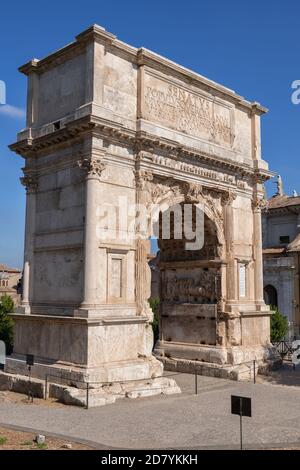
(254, 371)
(196, 382)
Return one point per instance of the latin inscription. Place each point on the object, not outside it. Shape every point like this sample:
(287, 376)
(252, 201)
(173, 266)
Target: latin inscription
(187, 112)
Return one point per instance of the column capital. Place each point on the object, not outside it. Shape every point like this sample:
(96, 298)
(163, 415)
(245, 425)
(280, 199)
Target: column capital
(227, 198)
(142, 177)
(93, 167)
(258, 203)
(30, 181)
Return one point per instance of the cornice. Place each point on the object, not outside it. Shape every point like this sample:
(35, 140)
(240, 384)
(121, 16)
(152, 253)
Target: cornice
(156, 61)
(31, 147)
(150, 143)
(275, 211)
(95, 32)
(52, 60)
(139, 141)
(140, 56)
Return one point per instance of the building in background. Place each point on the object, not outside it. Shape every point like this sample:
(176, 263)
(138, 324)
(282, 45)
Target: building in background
(155, 275)
(10, 283)
(281, 255)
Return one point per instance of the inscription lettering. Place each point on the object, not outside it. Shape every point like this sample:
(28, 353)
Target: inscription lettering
(187, 111)
(203, 172)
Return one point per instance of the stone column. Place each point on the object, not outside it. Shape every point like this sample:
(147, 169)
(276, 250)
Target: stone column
(93, 168)
(31, 184)
(142, 274)
(232, 316)
(231, 274)
(257, 204)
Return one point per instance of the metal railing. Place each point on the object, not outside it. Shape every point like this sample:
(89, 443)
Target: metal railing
(88, 385)
(284, 348)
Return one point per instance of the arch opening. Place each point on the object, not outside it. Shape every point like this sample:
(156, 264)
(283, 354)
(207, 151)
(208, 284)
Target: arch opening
(189, 280)
(271, 295)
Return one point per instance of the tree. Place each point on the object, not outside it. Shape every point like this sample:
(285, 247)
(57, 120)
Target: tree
(279, 325)
(6, 323)
(154, 303)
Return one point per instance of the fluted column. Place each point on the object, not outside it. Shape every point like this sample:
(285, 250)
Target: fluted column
(93, 168)
(31, 184)
(231, 291)
(257, 204)
(142, 274)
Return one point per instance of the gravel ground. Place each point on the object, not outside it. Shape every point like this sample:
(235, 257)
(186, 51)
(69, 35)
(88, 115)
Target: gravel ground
(169, 422)
(12, 439)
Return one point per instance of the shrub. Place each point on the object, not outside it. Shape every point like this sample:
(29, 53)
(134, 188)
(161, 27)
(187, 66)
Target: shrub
(279, 325)
(154, 304)
(6, 323)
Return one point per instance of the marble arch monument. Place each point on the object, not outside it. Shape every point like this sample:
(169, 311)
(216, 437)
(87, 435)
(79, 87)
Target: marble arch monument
(107, 120)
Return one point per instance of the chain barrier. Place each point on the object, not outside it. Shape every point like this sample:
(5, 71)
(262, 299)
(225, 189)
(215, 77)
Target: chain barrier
(252, 370)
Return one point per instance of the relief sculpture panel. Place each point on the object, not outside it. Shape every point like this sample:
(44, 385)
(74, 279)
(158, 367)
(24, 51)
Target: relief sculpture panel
(201, 287)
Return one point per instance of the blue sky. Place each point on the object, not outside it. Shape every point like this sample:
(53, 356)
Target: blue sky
(251, 46)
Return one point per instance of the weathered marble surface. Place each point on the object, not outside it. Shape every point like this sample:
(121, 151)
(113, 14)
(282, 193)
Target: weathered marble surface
(107, 121)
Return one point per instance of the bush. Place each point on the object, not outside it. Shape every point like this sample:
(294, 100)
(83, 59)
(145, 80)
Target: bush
(6, 323)
(279, 325)
(154, 303)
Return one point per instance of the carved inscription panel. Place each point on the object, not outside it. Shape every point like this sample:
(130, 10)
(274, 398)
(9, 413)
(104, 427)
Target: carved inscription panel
(192, 113)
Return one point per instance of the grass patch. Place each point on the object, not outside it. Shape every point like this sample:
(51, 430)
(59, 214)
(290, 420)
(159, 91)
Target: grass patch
(3, 440)
(26, 443)
(42, 445)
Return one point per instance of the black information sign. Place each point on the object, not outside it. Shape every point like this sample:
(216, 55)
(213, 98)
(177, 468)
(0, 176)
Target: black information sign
(240, 406)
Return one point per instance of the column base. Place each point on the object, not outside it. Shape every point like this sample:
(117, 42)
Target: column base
(234, 363)
(106, 310)
(68, 383)
(93, 396)
(24, 309)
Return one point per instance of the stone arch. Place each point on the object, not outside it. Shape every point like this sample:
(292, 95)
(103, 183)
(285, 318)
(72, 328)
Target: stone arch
(190, 282)
(170, 199)
(271, 295)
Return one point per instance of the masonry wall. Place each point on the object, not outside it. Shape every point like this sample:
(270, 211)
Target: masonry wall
(58, 260)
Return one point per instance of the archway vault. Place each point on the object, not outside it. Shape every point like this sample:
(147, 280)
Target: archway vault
(190, 277)
(167, 192)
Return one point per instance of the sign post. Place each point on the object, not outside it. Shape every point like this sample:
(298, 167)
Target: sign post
(241, 406)
(30, 362)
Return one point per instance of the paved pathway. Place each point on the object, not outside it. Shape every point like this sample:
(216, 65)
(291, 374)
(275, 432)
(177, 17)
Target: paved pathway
(179, 421)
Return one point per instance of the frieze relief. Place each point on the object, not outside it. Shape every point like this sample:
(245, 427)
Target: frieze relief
(204, 288)
(198, 171)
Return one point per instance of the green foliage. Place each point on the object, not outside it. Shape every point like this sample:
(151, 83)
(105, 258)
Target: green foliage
(279, 325)
(3, 440)
(42, 445)
(154, 304)
(6, 304)
(6, 323)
